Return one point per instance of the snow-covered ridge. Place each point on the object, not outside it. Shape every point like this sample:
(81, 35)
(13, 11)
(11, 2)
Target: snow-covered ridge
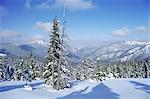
(39, 42)
(136, 42)
(119, 51)
(123, 50)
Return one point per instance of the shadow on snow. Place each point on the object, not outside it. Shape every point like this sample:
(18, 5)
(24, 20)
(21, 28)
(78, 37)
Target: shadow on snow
(11, 87)
(141, 86)
(99, 92)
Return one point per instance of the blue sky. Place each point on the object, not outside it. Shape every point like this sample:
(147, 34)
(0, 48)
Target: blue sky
(88, 21)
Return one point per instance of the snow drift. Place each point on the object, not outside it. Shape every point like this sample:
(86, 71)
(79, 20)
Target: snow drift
(109, 89)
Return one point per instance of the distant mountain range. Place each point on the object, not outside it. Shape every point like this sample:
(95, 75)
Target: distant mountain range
(117, 51)
(38, 48)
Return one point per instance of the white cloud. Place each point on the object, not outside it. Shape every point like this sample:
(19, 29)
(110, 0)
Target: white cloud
(10, 35)
(4, 34)
(69, 4)
(76, 4)
(121, 32)
(140, 29)
(37, 37)
(45, 26)
(124, 31)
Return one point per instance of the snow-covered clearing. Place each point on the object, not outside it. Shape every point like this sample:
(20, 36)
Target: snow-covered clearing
(109, 89)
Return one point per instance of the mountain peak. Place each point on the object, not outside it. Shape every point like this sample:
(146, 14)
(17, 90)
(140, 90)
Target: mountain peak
(38, 42)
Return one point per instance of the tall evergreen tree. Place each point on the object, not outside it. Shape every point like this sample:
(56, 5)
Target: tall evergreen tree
(2, 68)
(145, 68)
(26, 73)
(33, 68)
(19, 67)
(100, 75)
(88, 69)
(55, 71)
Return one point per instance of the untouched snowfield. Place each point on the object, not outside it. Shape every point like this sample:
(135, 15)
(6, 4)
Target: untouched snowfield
(109, 89)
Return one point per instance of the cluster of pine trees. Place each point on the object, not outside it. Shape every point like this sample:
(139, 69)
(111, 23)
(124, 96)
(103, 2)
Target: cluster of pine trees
(89, 69)
(26, 69)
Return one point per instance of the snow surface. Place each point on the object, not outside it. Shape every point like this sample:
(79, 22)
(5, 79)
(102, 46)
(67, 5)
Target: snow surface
(2, 55)
(109, 89)
(27, 87)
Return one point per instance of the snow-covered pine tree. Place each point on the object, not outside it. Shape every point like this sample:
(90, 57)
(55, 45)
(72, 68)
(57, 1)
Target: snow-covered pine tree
(33, 68)
(55, 72)
(15, 66)
(19, 69)
(118, 71)
(137, 70)
(112, 71)
(88, 68)
(5, 68)
(145, 68)
(26, 73)
(134, 69)
(2, 68)
(140, 69)
(11, 69)
(100, 73)
(79, 72)
(84, 70)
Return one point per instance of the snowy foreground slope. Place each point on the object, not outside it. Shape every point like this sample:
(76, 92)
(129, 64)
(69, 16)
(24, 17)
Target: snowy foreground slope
(109, 89)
